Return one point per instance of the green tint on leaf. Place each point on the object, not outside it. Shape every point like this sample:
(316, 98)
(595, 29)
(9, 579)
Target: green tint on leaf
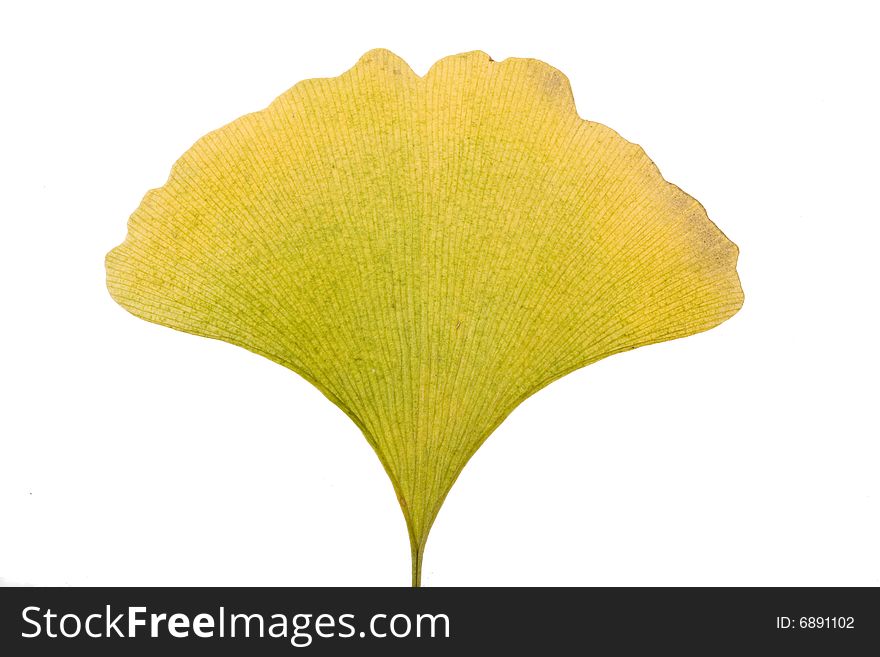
(427, 251)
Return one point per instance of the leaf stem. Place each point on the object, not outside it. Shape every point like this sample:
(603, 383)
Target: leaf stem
(417, 551)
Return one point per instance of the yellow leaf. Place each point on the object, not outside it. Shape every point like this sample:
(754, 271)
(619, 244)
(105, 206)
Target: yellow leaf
(427, 251)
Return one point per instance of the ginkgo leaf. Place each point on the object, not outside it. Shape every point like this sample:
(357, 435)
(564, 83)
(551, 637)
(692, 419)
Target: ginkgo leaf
(427, 251)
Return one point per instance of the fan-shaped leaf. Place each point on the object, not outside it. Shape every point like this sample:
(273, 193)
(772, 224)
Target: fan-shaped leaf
(428, 251)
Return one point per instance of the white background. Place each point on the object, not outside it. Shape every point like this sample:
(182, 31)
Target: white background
(132, 454)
